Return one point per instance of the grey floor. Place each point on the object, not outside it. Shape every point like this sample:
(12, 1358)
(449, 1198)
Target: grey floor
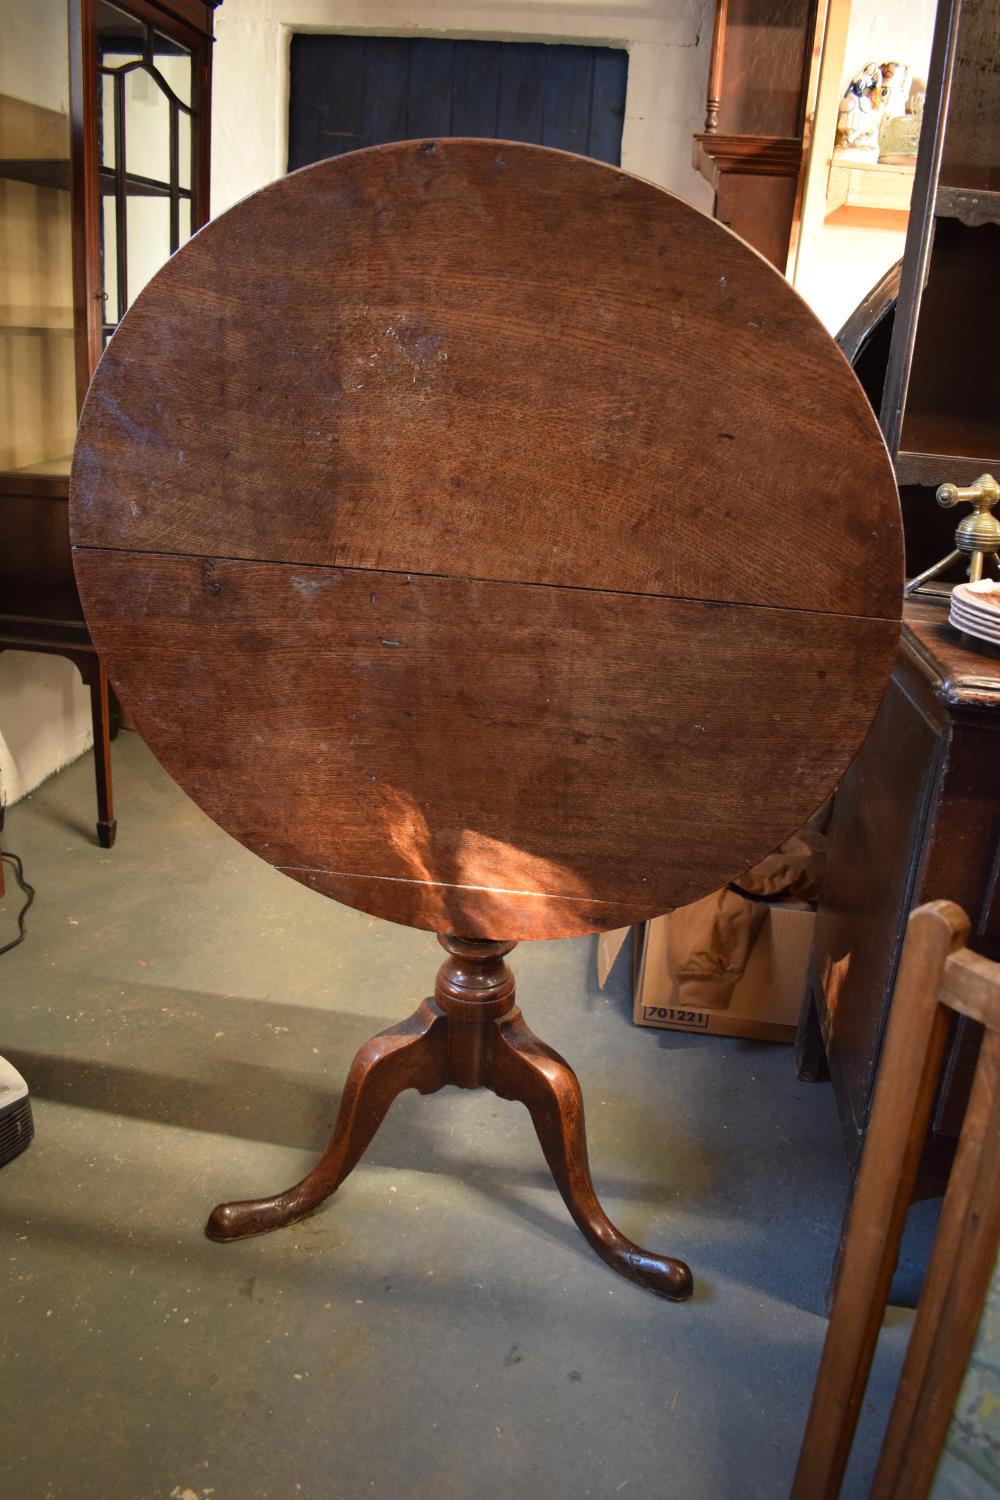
(185, 1016)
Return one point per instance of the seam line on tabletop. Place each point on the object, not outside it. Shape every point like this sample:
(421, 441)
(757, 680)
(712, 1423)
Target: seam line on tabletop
(447, 885)
(524, 583)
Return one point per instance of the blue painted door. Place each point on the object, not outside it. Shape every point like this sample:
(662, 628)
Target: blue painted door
(352, 91)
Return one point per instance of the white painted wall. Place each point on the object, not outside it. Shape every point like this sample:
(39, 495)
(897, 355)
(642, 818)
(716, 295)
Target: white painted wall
(890, 31)
(668, 43)
(34, 58)
(45, 716)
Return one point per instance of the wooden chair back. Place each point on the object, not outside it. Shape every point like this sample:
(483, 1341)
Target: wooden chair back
(938, 975)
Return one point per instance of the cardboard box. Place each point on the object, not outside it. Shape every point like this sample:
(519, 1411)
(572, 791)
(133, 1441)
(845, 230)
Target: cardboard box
(766, 1002)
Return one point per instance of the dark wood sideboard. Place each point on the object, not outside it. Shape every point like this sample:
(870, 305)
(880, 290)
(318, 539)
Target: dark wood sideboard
(918, 815)
(916, 818)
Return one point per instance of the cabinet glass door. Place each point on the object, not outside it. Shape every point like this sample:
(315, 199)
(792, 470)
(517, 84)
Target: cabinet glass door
(145, 140)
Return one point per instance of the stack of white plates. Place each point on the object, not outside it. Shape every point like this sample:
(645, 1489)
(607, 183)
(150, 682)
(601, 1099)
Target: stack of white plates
(975, 609)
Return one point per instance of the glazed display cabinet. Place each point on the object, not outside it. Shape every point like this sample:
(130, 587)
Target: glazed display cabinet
(104, 140)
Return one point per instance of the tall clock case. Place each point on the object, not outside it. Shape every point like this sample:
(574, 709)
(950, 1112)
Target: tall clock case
(104, 141)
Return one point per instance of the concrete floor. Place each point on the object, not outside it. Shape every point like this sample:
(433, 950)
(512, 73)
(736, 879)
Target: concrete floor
(185, 1016)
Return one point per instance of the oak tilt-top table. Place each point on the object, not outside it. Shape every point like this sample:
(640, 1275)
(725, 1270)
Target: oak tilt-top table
(494, 543)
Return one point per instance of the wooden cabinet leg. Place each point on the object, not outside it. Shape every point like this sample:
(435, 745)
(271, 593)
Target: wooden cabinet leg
(91, 670)
(107, 824)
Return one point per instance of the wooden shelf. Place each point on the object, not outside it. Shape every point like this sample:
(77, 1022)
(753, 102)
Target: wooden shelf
(51, 172)
(869, 184)
(936, 594)
(38, 481)
(932, 469)
(50, 468)
(55, 636)
(945, 429)
(34, 328)
(40, 171)
(57, 467)
(973, 207)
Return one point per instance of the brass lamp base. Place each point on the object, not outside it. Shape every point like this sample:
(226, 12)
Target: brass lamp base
(977, 537)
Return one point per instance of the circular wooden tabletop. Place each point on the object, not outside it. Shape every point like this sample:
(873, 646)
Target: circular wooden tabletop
(487, 539)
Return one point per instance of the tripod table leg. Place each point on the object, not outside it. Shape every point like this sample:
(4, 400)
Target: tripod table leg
(412, 1055)
(524, 1069)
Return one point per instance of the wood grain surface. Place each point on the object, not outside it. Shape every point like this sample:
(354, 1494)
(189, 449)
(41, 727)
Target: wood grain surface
(487, 539)
(491, 361)
(410, 744)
